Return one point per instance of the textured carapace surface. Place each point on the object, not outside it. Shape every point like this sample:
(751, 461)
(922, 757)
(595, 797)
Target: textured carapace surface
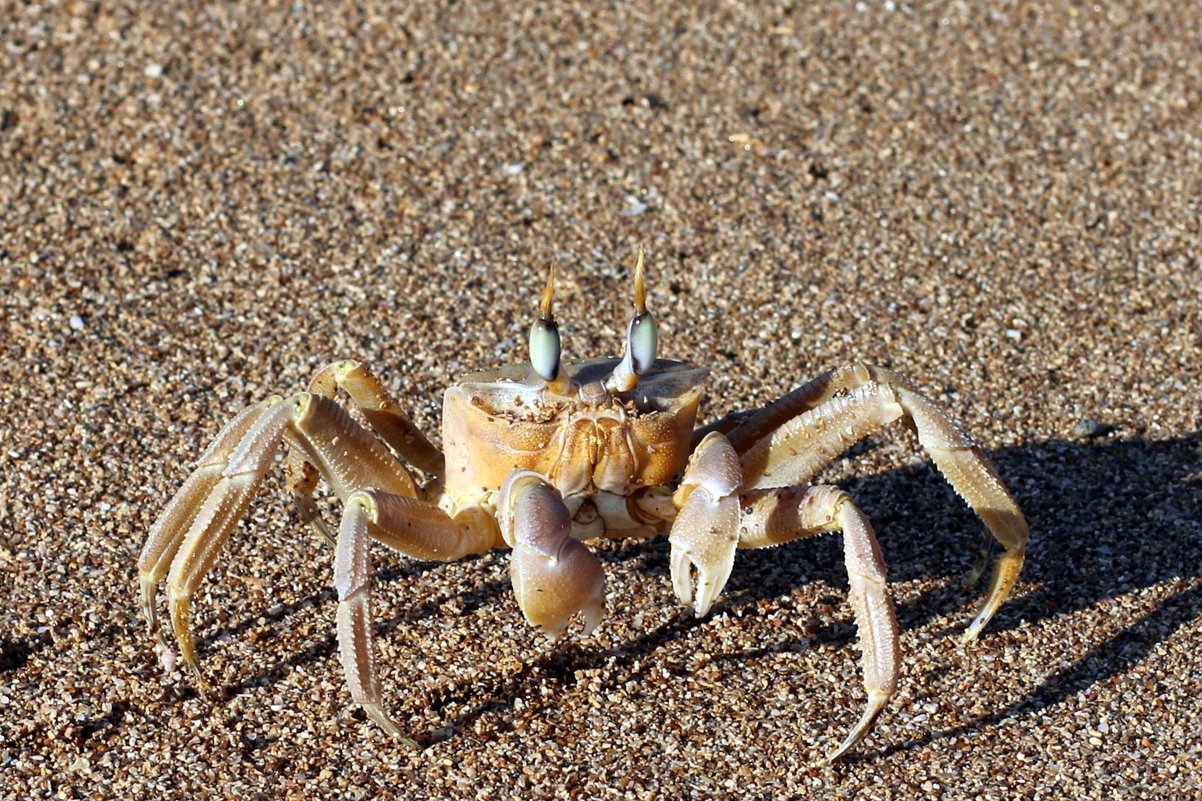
(497, 421)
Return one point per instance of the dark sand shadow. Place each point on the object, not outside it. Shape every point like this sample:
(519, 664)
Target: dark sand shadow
(1108, 518)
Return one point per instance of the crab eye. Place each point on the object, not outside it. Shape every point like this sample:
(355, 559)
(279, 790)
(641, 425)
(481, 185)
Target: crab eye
(642, 339)
(544, 348)
(544, 335)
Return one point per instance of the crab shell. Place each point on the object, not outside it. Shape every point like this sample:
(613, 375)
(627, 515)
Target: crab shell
(591, 444)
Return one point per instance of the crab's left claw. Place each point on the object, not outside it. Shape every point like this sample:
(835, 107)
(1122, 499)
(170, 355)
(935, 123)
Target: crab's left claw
(553, 575)
(706, 530)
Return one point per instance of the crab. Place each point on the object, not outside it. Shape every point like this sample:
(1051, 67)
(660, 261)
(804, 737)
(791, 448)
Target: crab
(542, 458)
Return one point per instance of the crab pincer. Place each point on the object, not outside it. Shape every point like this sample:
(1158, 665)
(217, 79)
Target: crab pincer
(553, 575)
(705, 533)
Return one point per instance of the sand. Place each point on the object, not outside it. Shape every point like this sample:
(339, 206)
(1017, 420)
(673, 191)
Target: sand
(202, 204)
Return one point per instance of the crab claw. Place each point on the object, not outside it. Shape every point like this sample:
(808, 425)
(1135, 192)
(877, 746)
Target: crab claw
(706, 530)
(553, 575)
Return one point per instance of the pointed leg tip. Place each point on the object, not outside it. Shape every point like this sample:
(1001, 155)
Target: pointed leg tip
(148, 587)
(975, 628)
(152, 624)
(203, 686)
(877, 699)
(980, 622)
(378, 716)
(323, 532)
(834, 756)
(848, 743)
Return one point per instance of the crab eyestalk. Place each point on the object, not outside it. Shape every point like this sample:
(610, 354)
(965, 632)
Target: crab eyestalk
(642, 339)
(545, 347)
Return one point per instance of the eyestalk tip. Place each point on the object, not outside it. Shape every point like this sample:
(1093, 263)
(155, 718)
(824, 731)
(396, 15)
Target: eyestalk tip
(544, 305)
(640, 288)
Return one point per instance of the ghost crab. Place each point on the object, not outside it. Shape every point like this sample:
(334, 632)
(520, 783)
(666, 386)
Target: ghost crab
(541, 458)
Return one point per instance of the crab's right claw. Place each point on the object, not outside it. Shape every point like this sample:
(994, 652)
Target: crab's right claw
(706, 530)
(553, 575)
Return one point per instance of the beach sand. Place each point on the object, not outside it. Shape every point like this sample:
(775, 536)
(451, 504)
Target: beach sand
(205, 203)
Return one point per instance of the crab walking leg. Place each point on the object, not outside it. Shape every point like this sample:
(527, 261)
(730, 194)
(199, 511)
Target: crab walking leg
(216, 518)
(380, 411)
(356, 645)
(753, 427)
(345, 453)
(974, 478)
(794, 452)
(169, 529)
(750, 428)
(411, 526)
(705, 532)
(385, 418)
(347, 456)
(772, 517)
(553, 575)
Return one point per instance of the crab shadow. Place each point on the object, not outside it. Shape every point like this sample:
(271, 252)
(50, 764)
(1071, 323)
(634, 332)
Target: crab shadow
(1108, 517)
(485, 590)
